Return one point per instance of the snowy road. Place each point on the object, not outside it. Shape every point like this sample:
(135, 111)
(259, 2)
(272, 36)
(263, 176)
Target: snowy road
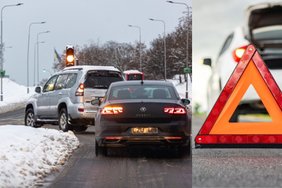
(15, 117)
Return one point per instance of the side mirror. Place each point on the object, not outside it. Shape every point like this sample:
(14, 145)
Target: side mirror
(38, 89)
(185, 101)
(207, 61)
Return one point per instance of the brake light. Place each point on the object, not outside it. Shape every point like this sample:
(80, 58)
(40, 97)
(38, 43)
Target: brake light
(81, 109)
(238, 53)
(80, 90)
(173, 110)
(112, 110)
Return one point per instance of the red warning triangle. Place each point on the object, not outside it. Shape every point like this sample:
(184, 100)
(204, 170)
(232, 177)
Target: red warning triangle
(217, 129)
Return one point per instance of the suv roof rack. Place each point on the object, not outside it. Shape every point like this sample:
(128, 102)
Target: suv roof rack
(72, 68)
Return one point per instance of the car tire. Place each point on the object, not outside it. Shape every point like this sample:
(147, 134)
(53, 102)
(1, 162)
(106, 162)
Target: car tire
(97, 148)
(185, 151)
(64, 120)
(100, 150)
(29, 119)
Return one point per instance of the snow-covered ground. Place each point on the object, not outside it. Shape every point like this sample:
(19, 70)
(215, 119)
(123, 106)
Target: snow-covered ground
(27, 154)
(14, 95)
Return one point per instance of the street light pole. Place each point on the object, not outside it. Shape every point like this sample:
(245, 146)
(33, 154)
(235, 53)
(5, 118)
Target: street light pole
(140, 55)
(38, 53)
(35, 57)
(2, 47)
(27, 59)
(187, 42)
(164, 44)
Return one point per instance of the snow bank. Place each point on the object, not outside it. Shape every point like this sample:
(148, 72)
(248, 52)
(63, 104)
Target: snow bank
(28, 154)
(14, 95)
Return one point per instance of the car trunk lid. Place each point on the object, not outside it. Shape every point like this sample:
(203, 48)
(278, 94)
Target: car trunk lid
(264, 25)
(264, 30)
(146, 111)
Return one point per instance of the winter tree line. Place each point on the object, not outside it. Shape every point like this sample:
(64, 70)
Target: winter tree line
(125, 56)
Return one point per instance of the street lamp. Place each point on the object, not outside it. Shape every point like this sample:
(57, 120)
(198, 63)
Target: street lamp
(187, 42)
(38, 53)
(2, 47)
(164, 44)
(140, 58)
(35, 55)
(27, 59)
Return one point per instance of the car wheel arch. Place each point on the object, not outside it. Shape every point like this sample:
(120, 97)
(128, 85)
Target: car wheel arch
(61, 106)
(28, 107)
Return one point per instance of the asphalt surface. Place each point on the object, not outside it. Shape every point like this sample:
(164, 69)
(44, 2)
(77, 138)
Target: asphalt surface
(238, 167)
(15, 117)
(136, 167)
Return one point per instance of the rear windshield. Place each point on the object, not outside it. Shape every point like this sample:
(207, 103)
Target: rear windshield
(134, 77)
(101, 79)
(142, 92)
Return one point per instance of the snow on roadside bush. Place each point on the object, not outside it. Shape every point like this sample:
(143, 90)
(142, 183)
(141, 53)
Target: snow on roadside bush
(27, 154)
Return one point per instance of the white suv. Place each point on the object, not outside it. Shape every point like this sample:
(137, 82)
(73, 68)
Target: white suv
(264, 30)
(66, 96)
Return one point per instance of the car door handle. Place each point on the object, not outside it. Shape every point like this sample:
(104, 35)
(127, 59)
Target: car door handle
(60, 93)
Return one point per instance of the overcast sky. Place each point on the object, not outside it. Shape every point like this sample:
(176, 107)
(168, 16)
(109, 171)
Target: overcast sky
(78, 22)
(213, 21)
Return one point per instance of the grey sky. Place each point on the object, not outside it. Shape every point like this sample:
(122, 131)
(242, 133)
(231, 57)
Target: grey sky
(78, 22)
(213, 21)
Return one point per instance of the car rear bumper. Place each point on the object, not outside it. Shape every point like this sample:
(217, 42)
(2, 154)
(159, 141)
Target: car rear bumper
(125, 141)
(112, 134)
(80, 115)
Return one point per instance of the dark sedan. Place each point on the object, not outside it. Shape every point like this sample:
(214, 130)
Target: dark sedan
(149, 113)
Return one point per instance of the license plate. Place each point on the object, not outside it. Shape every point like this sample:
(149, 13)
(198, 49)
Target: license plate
(144, 130)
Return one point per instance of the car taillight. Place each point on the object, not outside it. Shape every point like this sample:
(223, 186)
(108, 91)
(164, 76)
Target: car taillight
(80, 90)
(112, 110)
(173, 110)
(238, 53)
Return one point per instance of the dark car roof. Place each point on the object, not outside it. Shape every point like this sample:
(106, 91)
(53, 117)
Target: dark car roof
(145, 82)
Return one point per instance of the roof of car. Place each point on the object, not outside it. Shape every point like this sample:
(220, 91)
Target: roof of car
(91, 67)
(132, 72)
(145, 82)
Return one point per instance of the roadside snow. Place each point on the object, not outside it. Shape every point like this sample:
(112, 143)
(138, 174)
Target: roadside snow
(181, 87)
(28, 154)
(14, 95)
